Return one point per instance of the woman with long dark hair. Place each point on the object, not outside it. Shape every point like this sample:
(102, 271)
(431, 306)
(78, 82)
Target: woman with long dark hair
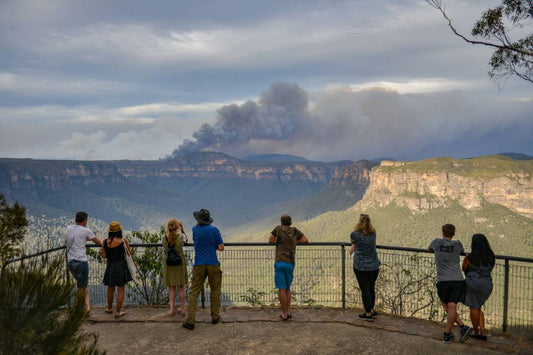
(365, 263)
(116, 272)
(478, 267)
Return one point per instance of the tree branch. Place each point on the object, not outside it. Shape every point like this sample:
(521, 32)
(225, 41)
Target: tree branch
(438, 5)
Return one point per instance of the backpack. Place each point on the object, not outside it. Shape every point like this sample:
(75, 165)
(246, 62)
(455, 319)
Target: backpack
(173, 258)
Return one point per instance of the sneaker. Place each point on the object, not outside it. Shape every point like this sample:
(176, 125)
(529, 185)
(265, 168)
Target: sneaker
(215, 320)
(448, 337)
(374, 314)
(189, 326)
(465, 333)
(365, 317)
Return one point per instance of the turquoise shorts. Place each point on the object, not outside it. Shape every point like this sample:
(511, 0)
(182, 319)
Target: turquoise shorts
(283, 274)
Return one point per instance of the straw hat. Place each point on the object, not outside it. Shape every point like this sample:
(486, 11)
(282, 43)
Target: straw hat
(114, 227)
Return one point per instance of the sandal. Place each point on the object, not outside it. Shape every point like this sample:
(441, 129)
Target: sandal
(289, 316)
(109, 311)
(121, 314)
(283, 319)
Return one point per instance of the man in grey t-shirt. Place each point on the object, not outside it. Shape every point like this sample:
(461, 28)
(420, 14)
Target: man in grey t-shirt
(451, 286)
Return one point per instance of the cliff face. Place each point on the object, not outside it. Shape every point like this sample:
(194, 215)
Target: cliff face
(218, 165)
(32, 175)
(424, 185)
(357, 173)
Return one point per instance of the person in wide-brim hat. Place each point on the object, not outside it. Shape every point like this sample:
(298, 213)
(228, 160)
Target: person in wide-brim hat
(114, 227)
(203, 216)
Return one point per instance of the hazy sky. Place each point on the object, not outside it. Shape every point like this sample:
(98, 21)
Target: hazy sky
(327, 80)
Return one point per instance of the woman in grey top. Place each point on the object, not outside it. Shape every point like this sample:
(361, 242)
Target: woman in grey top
(478, 266)
(365, 264)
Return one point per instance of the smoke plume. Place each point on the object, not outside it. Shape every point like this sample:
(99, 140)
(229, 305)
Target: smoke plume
(342, 123)
(273, 117)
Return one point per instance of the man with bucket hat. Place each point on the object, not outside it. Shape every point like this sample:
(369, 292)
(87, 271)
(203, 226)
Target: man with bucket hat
(207, 240)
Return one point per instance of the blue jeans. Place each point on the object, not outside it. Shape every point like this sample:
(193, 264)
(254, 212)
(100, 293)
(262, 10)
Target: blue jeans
(283, 275)
(80, 271)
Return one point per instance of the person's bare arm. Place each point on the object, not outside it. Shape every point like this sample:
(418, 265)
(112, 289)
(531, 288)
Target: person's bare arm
(220, 247)
(272, 239)
(104, 255)
(303, 239)
(466, 263)
(97, 241)
(352, 249)
(128, 249)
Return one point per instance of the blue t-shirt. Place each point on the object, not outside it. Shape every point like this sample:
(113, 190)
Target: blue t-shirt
(206, 240)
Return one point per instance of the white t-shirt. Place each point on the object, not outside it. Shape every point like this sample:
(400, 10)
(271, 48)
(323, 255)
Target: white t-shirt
(76, 237)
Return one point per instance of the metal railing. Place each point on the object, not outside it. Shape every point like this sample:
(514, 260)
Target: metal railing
(323, 277)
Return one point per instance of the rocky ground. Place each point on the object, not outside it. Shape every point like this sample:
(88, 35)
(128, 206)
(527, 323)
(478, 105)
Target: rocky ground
(149, 330)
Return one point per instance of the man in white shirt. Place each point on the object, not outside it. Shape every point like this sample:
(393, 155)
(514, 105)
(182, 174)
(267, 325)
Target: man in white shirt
(76, 236)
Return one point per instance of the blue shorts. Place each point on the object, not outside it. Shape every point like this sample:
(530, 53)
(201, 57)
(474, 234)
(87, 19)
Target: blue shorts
(80, 271)
(283, 274)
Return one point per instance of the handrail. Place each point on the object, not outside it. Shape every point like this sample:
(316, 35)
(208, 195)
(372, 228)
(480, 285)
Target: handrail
(505, 258)
(266, 244)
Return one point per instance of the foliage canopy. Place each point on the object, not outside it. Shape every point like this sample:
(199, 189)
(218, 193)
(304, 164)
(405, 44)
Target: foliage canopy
(493, 28)
(13, 225)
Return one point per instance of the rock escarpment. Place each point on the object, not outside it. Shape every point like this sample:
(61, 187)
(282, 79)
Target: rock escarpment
(33, 175)
(424, 185)
(219, 165)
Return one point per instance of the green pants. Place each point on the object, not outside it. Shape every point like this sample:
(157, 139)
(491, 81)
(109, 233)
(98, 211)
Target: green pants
(199, 273)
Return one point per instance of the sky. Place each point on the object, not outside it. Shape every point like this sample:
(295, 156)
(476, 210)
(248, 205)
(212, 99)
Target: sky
(325, 80)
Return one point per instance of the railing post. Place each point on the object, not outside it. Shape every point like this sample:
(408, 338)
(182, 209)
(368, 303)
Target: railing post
(343, 258)
(505, 294)
(202, 297)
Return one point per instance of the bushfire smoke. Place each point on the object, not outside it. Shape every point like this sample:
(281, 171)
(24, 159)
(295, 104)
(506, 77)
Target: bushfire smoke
(343, 123)
(273, 117)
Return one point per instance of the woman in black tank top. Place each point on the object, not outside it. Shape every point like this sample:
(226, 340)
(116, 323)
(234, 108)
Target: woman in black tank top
(116, 273)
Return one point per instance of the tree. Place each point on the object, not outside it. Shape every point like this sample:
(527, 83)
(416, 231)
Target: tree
(36, 312)
(510, 58)
(13, 225)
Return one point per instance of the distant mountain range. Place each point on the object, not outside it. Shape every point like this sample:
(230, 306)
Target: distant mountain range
(275, 157)
(144, 194)
(409, 200)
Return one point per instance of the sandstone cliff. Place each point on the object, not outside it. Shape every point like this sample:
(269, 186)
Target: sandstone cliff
(441, 182)
(32, 175)
(219, 165)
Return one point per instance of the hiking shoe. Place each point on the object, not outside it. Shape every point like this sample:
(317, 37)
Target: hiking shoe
(374, 314)
(448, 337)
(365, 317)
(189, 326)
(215, 320)
(465, 333)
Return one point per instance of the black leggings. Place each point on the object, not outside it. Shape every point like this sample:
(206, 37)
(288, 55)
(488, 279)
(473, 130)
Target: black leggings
(367, 282)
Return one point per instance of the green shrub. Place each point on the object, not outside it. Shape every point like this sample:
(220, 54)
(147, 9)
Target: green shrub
(36, 312)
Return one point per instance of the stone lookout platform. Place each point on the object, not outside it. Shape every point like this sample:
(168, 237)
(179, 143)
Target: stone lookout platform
(150, 330)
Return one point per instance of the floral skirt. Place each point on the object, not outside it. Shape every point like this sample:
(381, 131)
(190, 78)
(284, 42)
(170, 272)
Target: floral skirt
(117, 274)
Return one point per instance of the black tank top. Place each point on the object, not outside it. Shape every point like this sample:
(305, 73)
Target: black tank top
(114, 254)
